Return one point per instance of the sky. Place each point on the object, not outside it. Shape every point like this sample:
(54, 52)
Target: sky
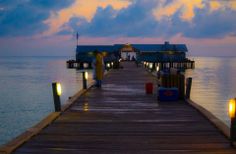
(49, 27)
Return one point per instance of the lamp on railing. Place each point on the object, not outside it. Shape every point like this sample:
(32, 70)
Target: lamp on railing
(85, 65)
(108, 66)
(112, 64)
(144, 63)
(232, 115)
(150, 66)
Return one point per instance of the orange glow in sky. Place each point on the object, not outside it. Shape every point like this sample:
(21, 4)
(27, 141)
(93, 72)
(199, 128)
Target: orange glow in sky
(188, 7)
(214, 5)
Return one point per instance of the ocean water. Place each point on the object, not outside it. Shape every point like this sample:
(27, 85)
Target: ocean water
(214, 83)
(26, 92)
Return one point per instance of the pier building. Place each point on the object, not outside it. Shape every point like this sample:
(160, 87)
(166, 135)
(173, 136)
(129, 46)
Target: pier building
(163, 55)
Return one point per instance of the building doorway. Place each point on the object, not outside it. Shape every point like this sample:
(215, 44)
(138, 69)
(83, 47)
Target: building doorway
(128, 53)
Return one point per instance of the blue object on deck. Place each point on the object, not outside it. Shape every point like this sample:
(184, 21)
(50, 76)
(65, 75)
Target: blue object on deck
(168, 94)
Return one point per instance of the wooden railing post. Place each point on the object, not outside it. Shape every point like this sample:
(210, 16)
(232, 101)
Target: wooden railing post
(56, 96)
(85, 77)
(232, 115)
(188, 87)
(232, 131)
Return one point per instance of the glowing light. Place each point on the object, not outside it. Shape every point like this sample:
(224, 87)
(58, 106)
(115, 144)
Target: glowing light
(86, 75)
(59, 89)
(150, 65)
(232, 108)
(112, 64)
(108, 65)
(104, 53)
(90, 53)
(85, 65)
(86, 107)
(157, 68)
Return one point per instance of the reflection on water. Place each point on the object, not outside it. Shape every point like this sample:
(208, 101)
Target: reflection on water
(26, 92)
(214, 83)
(86, 106)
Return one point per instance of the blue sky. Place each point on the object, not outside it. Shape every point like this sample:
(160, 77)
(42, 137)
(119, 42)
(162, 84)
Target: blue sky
(43, 27)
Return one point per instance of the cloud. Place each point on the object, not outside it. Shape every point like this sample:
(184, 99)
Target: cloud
(52, 4)
(214, 25)
(118, 18)
(186, 8)
(214, 5)
(134, 20)
(138, 20)
(26, 17)
(81, 8)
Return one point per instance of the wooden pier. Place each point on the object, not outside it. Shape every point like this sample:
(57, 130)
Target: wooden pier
(121, 118)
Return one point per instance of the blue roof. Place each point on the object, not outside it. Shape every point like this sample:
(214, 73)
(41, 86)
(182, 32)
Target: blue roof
(161, 47)
(140, 47)
(91, 48)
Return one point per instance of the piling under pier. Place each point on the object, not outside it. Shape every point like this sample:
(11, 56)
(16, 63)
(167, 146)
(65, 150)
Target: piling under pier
(121, 118)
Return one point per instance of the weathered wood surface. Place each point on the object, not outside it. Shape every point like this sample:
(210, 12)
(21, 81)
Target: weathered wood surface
(121, 118)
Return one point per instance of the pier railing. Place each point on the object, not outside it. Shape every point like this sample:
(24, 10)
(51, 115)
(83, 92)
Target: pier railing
(72, 64)
(176, 79)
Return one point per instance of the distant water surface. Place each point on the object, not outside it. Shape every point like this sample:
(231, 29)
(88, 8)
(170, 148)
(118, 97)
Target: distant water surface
(26, 93)
(214, 83)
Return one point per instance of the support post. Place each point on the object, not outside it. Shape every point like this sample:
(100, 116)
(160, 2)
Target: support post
(233, 131)
(85, 76)
(181, 85)
(232, 115)
(188, 87)
(56, 97)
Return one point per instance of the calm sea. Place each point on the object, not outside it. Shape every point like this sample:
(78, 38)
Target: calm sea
(26, 95)
(214, 83)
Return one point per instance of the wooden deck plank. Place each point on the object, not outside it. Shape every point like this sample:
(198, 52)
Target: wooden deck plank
(121, 118)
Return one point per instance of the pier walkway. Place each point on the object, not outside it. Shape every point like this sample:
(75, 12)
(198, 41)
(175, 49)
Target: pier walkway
(121, 118)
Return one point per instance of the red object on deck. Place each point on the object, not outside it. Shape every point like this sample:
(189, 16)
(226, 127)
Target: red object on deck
(149, 88)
